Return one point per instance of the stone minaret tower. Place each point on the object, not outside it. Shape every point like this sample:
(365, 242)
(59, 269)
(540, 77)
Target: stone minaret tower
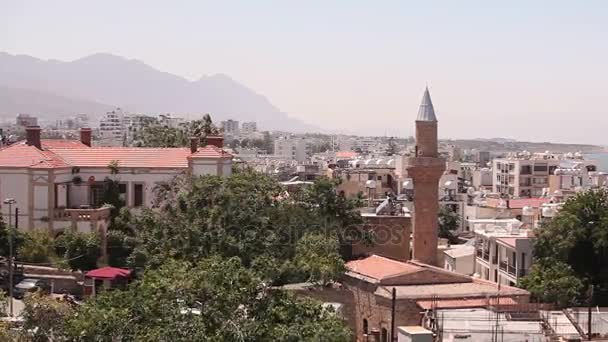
(425, 169)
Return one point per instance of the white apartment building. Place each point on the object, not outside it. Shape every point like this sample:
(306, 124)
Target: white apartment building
(249, 127)
(291, 148)
(230, 127)
(113, 128)
(527, 175)
(57, 184)
(503, 250)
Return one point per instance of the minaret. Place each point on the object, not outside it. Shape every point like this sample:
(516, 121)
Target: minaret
(425, 169)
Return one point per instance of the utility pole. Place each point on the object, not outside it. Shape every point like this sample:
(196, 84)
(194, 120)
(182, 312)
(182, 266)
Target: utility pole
(10, 202)
(393, 337)
(589, 314)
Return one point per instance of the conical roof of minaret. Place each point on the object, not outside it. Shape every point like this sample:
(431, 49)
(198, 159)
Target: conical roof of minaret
(426, 111)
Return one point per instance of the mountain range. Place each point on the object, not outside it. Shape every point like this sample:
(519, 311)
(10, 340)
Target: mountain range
(52, 89)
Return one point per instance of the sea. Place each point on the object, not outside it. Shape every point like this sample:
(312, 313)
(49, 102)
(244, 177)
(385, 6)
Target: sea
(601, 158)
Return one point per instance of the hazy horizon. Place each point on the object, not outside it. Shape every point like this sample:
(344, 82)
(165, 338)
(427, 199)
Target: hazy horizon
(527, 71)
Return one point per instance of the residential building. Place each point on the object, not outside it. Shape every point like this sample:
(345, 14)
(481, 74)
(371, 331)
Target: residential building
(249, 127)
(291, 148)
(460, 258)
(418, 288)
(113, 128)
(527, 175)
(26, 120)
(58, 184)
(504, 250)
(230, 127)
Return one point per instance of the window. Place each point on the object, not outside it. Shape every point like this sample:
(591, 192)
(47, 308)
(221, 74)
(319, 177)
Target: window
(525, 170)
(379, 178)
(541, 167)
(384, 335)
(365, 326)
(138, 195)
(122, 188)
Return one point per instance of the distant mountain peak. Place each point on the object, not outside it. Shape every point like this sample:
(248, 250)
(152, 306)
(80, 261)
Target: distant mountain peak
(105, 78)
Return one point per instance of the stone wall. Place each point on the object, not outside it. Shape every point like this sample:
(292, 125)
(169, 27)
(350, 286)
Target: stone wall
(392, 237)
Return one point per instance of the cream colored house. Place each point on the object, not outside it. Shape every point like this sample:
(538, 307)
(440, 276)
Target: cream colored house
(57, 184)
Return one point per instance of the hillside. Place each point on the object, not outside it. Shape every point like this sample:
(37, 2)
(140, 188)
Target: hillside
(130, 84)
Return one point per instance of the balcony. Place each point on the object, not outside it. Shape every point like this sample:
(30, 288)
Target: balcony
(502, 266)
(79, 215)
(511, 270)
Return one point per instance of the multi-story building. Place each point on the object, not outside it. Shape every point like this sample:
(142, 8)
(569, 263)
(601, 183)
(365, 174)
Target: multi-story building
(527, 175)
(291, 148)
(230, 127)
(503, 250)
(113, 128)
(26, 120)
(58, 184)
(249, 127)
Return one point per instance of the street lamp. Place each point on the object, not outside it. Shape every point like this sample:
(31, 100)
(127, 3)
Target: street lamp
(10, 202)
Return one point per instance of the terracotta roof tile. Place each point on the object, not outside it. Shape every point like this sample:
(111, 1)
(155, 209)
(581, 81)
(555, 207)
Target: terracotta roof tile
(126, 156)
(22, 155)
(210, 151)
(378, 267)
(67, 153)
(62, 143)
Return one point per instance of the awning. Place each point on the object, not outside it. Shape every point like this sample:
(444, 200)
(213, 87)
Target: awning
(108, 273)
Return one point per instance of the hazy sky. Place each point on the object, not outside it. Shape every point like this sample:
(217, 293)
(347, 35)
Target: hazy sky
(534, 70)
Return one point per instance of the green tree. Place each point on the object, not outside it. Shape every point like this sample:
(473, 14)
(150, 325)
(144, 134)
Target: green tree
(317, 255)
(5, 234)
(80, 250)
(553, 282)
(120, 247)
(449, 221)
(244, 215)
(37, 247)
(161, 136)
(44, 317)
(577, 237)
(215, 300)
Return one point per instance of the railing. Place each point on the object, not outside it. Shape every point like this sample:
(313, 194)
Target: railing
(503, 266)
(479, 253)
(522, 272)
(486, 256)
(511, 269)
(61, 214)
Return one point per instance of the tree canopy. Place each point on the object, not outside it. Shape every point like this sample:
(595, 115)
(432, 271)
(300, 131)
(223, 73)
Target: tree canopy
(154, 135)
(574, 244)
(247, 215)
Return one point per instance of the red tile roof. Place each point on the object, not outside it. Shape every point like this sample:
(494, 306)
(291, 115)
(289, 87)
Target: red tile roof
(108, 273)
(527, 202)
(126, 157)
(57, 153)
(23, 155)
(210, 151)
(378, 267)
(62, 143)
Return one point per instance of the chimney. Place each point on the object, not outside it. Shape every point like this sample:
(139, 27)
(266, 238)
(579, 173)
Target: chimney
(194, 144)
(215, 140)
(85, 136)
(33, 136)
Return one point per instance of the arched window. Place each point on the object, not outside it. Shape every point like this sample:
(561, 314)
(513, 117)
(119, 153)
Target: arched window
(365, 327)
(384, 335)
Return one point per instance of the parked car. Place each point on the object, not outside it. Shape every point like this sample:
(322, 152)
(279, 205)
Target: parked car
(29, 285)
